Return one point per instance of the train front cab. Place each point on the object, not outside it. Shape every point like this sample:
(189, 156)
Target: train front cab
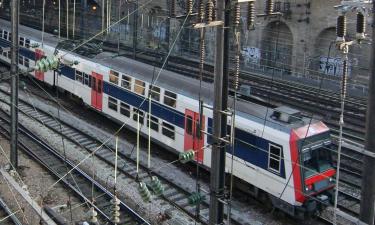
(313, 168)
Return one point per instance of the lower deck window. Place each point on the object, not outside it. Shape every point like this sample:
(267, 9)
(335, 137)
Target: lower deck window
(274, 158)
(112, 103)
(135, 115)
(125, 109)
(154, 123)
(168, 130)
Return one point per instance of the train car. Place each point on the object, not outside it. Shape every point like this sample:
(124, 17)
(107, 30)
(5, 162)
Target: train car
(278, 153)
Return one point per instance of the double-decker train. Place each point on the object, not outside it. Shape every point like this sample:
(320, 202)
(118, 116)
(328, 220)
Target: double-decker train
(278, 153)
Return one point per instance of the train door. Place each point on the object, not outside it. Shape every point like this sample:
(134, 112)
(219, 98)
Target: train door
(194, 138)
(39, 54)
(97, 91)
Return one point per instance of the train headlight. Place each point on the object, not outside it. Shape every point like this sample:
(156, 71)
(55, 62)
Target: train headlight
(330, 179)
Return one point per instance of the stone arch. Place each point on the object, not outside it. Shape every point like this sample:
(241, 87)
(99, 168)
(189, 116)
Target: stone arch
(324, 54)
(277, 48)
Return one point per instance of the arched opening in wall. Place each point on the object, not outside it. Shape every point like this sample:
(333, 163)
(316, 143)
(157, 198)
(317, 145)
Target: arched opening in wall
(277, 49)
(325, 61)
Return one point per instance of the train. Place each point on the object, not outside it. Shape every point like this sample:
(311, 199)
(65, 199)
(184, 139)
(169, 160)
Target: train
(278, 154)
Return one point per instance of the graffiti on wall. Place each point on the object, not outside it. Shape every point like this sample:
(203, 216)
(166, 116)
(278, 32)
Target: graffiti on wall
(251, 55)
(332, 66)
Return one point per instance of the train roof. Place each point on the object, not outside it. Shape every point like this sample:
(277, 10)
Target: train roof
(172, 81)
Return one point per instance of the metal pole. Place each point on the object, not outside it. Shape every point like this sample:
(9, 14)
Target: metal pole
(135, 30)
(367, 211)
(14, 84)
(219, 121)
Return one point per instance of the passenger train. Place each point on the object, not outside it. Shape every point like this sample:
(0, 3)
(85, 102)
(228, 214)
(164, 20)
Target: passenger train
(278, 153)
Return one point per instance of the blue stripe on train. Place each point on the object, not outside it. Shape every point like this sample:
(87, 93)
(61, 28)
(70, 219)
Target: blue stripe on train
(256, 153)
(22, 51)
(251, 148)
(163, 112)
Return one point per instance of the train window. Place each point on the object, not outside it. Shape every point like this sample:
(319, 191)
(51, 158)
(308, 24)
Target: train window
(27, 43)
(139, 87)
(155, 92)
(86, 79)
(26, 62)
(189, 125)
(100, 85)
(274, 158)
(20, 60)
(112, 103)
(113, 77)
(135, 116)
(22, 41)
(126, 82)
(168, 130)
(154, 123)
(170, 98)
(79, 76)
(1, 33)
(125, 109)
(93, 84)
(5, 36)
(10, 36)
(8, 54)
(5, 54)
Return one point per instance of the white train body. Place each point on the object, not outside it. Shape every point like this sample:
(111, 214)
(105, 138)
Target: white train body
(268, 150)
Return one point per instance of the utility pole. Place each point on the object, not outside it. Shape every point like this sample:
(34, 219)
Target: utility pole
(219, 119)
(368, 181)
(135, 29)
(14, 86)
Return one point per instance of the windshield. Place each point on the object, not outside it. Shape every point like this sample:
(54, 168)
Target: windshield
(316, 160)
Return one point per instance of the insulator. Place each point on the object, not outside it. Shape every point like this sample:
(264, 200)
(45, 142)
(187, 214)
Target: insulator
(172, 8)
(237, 14)
(209, 10)
(341, 28)
(187, 156)
(156, 186)
(345, 77)
(214, 14)
(202, 53)
(189, 6)
(144, 192)
(236, 72)
(115, 210)
(201, 11)
(250, 14)
(195, 198)
(269, 6)
(46, 64)
(361, 26)
(93, 215)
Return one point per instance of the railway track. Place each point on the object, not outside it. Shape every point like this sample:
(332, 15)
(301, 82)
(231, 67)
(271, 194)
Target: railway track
(7, 217)
(173, 193)
(84, 186)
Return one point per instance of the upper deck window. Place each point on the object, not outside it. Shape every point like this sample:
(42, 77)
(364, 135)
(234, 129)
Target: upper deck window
(113, 77)
(126, 82)
(22, 41)
(274, 158)
(79, 76)
(155, 92)
(27, 43)
(139, 87)
(170, 98)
